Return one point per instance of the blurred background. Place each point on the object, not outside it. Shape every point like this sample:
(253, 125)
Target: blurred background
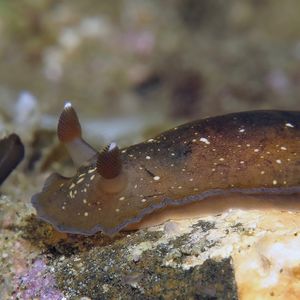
(133, 68)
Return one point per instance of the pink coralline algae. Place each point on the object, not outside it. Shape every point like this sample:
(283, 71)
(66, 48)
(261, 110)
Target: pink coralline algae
(38, 283)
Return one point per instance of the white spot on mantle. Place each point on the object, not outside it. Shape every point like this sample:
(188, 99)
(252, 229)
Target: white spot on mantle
(289, 125)
(205, 140)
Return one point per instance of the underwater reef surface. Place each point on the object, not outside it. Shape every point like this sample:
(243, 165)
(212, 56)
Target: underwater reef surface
(236, 254)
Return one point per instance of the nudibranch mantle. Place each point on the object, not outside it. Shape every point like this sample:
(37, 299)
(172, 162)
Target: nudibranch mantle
(256, 152)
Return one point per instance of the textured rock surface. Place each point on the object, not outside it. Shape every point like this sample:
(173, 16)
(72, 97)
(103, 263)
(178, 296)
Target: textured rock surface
(250, 254)
(234, 255)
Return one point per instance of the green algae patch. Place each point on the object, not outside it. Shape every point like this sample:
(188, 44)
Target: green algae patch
(39, 233)
(204, 225)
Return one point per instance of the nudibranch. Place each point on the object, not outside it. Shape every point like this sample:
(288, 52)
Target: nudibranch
(246, 153)
(12, 152)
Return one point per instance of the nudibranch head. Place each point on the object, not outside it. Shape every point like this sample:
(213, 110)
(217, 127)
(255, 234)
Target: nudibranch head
(254, 152)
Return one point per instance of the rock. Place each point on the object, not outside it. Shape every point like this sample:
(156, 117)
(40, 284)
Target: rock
(234, 255)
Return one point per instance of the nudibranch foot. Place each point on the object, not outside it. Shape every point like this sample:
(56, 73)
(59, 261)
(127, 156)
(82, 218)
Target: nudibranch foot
(208, 203)
(214, 205)
(246, 155)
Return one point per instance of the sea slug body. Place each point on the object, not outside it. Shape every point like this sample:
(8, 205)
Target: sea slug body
(247, 153)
